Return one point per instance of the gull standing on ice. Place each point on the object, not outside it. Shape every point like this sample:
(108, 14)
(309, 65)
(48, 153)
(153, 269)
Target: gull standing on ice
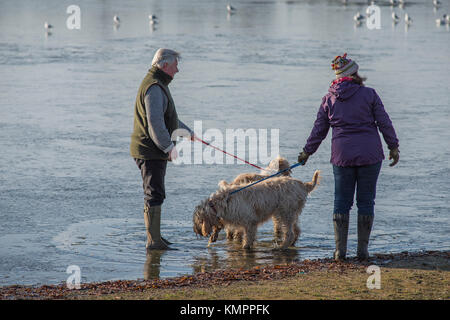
(48, 28)
(408, 19)
(358, 17)
(153, 19)
(116, 19)
(230, 8)
(442, 20)
(395, 18)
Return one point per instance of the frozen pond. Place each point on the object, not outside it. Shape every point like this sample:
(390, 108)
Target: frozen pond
(70, 194)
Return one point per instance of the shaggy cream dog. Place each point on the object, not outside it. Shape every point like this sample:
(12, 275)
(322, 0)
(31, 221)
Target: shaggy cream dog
(276, 165)
(279, 197)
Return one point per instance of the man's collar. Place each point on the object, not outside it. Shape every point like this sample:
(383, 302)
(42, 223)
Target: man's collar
(161, 75)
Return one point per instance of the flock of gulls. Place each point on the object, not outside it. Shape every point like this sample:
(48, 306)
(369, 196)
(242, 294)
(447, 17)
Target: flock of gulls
(358, 18)
(152, 21)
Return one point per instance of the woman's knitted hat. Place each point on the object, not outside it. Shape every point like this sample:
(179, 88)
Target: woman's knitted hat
(343, 67)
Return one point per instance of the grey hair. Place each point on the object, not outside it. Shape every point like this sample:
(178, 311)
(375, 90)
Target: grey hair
(163, 56)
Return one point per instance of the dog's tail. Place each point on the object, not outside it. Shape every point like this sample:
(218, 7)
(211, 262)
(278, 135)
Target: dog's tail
(310, 186)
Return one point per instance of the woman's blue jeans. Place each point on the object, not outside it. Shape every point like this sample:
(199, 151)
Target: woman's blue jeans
(364, 179)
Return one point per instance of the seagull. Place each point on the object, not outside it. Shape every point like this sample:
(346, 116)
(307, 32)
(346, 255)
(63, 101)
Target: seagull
(153, 19)
(445, 19)
(395, 17)
(47, 26)
(408, 19)
(358, 17)
(393, 2)
(436, 3)
(116, 19)
(230, 8)
(440, 21)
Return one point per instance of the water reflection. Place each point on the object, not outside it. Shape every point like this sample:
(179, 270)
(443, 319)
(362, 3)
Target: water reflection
(152, 265)
(234, 257)
(407, 27)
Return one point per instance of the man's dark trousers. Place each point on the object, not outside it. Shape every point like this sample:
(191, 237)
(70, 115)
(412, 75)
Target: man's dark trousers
(153, 173)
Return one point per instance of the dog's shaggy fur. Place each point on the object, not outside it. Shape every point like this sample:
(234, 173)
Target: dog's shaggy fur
(276, 165)
(279, 197)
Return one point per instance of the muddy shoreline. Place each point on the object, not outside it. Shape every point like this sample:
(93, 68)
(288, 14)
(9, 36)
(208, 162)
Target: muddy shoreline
(426, 260)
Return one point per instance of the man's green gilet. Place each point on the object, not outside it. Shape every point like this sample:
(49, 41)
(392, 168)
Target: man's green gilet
(142, 146)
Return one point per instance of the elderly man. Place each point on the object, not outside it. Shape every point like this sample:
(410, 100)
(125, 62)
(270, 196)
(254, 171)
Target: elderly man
(155, 120)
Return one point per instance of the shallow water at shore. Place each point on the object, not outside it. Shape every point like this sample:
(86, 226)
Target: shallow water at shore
(71, 195)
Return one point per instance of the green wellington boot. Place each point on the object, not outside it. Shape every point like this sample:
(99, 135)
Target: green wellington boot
(152, 218)
(340, 222)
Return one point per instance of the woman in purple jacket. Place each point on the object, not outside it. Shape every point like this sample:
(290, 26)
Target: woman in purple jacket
(355, 113)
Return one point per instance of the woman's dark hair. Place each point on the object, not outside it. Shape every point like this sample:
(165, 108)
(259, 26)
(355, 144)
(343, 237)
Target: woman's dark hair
(358, 79)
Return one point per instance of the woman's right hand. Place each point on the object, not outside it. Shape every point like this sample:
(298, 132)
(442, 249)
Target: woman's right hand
(303, 157)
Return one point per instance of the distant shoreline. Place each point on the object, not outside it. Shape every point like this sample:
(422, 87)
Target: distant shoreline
(427, 266)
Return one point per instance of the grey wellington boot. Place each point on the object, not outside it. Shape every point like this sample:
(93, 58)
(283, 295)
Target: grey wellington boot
(152, 218)
(340, 222)
(365, 223)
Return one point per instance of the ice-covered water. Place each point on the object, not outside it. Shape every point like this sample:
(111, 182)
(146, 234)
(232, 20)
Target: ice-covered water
(70, 194)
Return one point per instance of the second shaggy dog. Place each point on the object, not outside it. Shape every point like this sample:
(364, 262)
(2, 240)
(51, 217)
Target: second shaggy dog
(276, 165)
(279, 197)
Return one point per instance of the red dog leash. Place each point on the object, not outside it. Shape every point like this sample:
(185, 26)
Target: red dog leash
(208, 144)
